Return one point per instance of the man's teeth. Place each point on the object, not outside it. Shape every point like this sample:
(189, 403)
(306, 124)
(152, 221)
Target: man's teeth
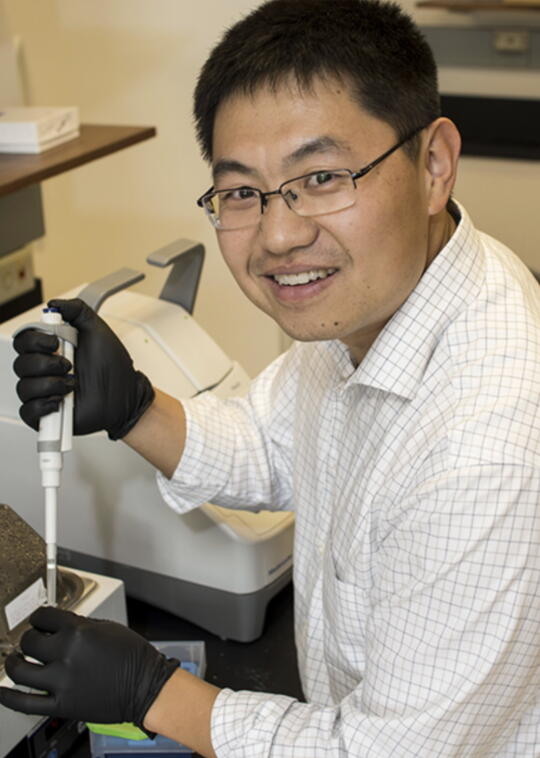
(304, 278)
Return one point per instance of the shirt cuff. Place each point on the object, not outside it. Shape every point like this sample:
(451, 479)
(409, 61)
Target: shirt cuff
(244, 724)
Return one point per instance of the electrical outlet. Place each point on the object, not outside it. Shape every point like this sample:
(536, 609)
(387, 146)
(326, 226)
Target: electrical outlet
(16, 274)
(511, 41)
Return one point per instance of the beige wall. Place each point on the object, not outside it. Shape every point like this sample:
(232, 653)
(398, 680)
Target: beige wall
(135, 62)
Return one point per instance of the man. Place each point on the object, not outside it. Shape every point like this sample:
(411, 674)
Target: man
(402, 426)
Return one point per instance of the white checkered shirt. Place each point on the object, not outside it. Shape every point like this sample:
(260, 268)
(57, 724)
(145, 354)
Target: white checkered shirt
(415, 482)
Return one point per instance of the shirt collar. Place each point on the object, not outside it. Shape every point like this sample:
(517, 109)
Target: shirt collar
(397, 360)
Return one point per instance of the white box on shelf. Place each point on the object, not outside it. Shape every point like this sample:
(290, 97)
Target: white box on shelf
(29, 129)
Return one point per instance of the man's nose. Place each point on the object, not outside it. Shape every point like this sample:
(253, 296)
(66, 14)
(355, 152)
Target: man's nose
(282, 229)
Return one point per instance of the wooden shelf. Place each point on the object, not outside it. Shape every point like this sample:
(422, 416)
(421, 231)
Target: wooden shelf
(18, 170)
(464, 6)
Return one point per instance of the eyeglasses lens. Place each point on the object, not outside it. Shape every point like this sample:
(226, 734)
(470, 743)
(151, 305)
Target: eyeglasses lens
(320, 193)
(234, 209)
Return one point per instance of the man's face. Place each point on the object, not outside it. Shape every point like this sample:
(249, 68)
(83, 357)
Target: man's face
(368, 257)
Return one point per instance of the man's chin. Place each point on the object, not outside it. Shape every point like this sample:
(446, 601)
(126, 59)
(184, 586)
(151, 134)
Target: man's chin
(321, 334)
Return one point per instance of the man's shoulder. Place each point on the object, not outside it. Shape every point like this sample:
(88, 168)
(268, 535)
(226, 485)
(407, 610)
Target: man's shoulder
(504, 315)
(490, 363)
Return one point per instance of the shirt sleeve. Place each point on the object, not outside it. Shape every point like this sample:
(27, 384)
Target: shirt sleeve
(452, 642)
(238, 450)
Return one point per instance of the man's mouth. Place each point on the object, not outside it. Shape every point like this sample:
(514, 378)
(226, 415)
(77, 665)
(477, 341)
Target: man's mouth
(305, 277)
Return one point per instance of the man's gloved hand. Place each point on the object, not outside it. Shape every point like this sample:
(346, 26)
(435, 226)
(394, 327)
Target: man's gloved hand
(109, 393)
(96, 671)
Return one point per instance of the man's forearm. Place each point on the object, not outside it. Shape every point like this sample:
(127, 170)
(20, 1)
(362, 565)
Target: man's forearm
(160, 434)
(183, 710)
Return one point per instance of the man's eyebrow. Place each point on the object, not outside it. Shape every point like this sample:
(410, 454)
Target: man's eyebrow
(315, 146)
(226, 166)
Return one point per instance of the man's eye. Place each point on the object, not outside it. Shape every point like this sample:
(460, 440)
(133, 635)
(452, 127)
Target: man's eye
(320, 179)
(241, 194)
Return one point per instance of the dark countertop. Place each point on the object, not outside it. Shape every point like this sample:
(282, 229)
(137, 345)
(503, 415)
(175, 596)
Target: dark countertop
(265, 665)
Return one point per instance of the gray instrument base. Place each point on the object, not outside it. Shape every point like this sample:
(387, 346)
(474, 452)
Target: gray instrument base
(227, 614)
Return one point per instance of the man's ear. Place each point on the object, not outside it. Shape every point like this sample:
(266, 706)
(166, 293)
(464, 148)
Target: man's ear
(441, 149)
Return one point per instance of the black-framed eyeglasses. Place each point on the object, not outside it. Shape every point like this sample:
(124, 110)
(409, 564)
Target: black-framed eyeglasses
(313, 194)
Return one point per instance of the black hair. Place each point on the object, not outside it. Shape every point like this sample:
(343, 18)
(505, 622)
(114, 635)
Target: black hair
(370, 45)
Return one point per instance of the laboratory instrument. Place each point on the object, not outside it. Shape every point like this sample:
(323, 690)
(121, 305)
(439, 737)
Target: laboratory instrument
(215, 567)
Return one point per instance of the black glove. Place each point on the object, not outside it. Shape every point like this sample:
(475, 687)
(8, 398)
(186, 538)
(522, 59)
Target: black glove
(109, 393)
(96, 671)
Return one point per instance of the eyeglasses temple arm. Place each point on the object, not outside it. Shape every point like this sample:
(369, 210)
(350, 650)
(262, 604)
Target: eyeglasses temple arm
(363, 171)
(201, 198)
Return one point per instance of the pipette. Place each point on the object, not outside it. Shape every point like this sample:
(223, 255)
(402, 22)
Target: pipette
(55, 437)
